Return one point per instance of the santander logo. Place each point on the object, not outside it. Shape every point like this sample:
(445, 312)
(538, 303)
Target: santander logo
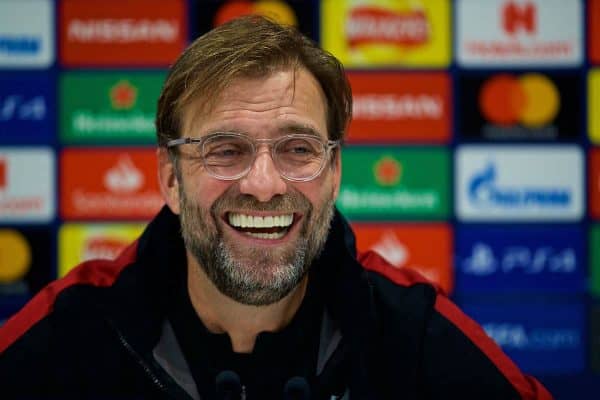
(392, 249)
(374, 25)
(124, 177)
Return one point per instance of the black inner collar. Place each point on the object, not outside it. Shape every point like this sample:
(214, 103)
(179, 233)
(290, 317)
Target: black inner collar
(277, 356)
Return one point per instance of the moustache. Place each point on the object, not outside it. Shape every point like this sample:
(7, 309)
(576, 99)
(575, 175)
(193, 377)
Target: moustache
(232, 199)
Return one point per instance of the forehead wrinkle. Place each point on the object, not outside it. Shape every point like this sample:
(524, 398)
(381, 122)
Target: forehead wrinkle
(229, 102)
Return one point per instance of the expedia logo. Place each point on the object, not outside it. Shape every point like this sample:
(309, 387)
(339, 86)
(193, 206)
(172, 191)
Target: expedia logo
(370, 25)
(277, 10)
(531, 100)
(485, 191)
(387, 171)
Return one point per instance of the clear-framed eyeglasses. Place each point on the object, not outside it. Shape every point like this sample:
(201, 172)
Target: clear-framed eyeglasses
(230, 156)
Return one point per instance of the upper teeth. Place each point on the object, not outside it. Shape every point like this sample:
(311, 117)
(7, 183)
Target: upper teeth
(251, 221)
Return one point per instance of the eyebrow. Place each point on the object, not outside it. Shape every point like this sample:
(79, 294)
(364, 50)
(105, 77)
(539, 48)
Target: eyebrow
(294, 128)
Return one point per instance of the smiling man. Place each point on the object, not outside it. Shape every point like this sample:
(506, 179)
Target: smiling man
(247, 284)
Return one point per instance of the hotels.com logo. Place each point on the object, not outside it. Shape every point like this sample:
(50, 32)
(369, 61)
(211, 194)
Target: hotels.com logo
(3, 171)
(374, 25)
(531, 100)
(387, 171)
(123, 177)
(514, 33)
(519, 17)
(123, 95)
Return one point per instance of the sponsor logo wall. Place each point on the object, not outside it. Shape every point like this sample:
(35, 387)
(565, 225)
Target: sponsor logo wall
(473, 157)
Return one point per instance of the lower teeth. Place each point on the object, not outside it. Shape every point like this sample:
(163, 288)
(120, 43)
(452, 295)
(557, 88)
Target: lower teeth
(276, 235)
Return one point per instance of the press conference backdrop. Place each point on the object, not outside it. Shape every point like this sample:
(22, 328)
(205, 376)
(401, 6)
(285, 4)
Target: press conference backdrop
(473, 155)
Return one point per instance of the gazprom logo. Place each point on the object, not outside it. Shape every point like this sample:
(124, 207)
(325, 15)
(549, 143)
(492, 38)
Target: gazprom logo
(20, 45)
(484, 190)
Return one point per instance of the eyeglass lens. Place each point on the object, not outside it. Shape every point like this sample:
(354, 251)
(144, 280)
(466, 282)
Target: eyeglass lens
(230, 156)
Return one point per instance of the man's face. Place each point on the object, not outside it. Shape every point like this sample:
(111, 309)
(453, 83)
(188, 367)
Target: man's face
(256, 237)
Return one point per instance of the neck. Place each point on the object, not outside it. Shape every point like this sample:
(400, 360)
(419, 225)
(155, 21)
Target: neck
(243, 323)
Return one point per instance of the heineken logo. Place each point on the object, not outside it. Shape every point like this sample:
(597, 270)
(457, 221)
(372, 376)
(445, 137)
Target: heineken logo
(399, 183)
(109, 106)
(387, 171)
(123, 95)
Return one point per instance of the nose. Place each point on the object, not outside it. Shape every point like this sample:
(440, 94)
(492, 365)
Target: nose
(263, 181)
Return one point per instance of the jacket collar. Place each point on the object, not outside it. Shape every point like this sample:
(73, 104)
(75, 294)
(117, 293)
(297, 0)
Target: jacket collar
(142, 293)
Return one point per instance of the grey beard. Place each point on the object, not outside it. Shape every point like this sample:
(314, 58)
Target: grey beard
(244, 279)
(237, 280)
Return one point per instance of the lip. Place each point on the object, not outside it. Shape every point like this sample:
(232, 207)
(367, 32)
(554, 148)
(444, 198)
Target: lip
(292, 231)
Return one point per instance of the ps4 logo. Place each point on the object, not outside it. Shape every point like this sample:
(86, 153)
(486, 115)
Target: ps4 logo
(484, 191)
(483, 262)
(16, 107)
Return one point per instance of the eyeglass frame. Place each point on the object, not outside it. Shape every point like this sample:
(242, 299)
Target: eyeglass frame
(327, 146)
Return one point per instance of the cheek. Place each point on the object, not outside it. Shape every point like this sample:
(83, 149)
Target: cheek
(318, 192)
(204, 191)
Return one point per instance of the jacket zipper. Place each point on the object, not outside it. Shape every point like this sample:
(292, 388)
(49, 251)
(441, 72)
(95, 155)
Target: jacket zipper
(142, 363)
(157, 382)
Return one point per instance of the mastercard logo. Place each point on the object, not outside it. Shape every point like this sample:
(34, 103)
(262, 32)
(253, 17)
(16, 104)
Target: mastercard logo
(277, 10)
(531, 100)
(15, 256)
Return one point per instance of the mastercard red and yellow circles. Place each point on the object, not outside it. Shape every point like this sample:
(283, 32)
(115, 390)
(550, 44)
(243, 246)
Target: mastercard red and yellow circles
(275, 9)
(531, 100)
(15, 256)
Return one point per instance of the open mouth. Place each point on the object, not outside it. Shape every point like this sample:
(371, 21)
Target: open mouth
(261, 227)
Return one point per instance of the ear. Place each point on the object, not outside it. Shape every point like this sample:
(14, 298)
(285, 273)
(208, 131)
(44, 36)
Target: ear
(337, 172)
(167, 179)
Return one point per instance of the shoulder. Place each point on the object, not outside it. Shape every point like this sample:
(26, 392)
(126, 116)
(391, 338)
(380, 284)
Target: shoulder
(63, 296)
(397, 285)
